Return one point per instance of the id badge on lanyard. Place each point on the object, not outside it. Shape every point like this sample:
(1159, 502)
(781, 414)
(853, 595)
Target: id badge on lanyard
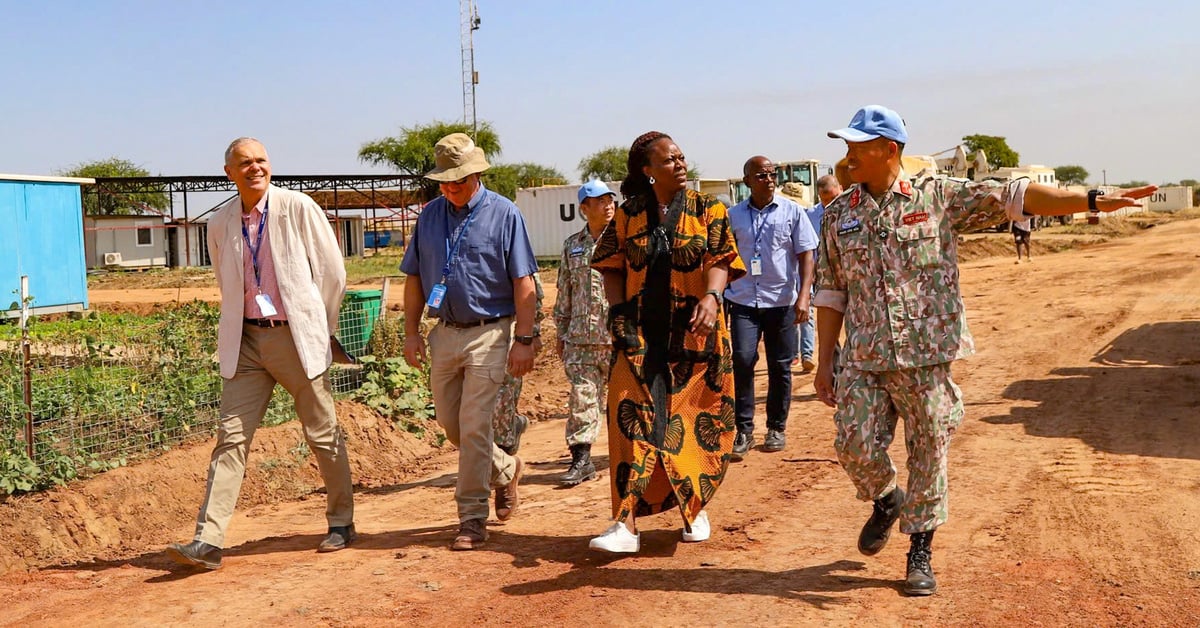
(756, 267)
(263, 301)
(438, 293)
(264, 305)
(436, 296)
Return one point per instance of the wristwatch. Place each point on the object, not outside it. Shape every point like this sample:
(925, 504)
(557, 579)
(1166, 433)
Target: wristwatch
(716, 294)
(526, 340)
(1092, 194)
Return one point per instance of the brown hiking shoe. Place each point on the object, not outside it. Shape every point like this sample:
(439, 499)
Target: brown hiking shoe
(472, 534)
(507, 497)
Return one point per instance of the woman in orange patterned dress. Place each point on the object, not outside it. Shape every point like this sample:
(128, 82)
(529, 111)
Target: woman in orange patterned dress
(666, 259)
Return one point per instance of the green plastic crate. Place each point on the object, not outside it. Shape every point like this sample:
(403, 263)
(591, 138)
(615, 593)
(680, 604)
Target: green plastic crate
(356, 320)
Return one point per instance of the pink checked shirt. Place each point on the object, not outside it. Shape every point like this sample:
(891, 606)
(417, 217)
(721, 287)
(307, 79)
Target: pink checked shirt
(266, 267)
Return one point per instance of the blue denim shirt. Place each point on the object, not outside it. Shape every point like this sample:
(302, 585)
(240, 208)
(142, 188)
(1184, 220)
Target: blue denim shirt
(493, 252)
(777, 234)
(815, 213)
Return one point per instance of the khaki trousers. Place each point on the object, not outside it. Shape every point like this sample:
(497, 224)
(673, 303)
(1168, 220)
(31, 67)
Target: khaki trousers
(467, 368)
(268, 355)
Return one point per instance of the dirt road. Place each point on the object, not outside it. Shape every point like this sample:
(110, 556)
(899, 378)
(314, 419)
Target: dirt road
(1074, 501)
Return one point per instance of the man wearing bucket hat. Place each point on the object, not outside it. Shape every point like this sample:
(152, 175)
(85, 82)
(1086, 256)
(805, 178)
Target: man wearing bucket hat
(470, 262)
(776, 242)
(581, 317)
(889, 272)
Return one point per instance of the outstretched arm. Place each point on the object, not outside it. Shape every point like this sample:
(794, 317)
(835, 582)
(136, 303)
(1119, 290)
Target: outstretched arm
(1045, 200)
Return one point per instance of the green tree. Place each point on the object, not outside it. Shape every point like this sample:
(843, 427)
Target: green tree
(606, 164)
(117, 205)
(504, 179)
(1133, 184)
(1071, 175)
(999, 154)
(411, 152)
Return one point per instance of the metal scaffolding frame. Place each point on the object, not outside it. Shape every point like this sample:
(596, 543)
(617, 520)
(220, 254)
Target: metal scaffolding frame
(365, 185)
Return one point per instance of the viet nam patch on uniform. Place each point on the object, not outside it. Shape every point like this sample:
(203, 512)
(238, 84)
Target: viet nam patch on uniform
(914, 218)
(850, 226)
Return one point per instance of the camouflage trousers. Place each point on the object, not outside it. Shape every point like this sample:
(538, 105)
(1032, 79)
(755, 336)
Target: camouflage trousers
(504, 417)
(868, 407)
(587, 371)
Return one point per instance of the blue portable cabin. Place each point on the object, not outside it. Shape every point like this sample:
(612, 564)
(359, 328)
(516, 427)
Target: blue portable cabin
(41, 236)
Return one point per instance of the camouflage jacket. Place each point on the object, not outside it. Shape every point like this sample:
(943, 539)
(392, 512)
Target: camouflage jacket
(538, 312)
(581, 308)
(892, 267)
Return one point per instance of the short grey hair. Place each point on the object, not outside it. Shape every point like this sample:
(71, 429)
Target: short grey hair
(238, 142)
(827, 181)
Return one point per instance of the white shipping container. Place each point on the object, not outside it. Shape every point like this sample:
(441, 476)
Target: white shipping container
(552, 214)
(1170, 199)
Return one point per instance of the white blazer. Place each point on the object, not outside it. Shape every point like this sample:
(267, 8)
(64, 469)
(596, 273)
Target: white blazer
(308, 268)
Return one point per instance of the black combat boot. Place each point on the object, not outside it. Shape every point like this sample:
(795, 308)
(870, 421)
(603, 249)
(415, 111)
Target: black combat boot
(582, 468)
(875, 532)
(920, 573)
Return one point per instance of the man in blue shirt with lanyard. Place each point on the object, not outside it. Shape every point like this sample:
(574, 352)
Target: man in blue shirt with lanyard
(776, 242)
(828, 189)
(471, 263)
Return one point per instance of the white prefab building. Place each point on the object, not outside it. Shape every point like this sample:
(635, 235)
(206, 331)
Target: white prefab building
(187, 244)
(124, 241)
(551, 214)
(1034, 172)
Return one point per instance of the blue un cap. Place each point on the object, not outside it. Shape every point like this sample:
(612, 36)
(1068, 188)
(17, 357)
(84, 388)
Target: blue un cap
(871, 122)
(592, 189)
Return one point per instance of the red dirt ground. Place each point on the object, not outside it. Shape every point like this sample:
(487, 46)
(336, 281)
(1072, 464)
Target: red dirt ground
(1074, 500)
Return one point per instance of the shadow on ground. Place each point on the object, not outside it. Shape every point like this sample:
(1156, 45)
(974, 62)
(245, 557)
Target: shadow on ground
(1139, 396)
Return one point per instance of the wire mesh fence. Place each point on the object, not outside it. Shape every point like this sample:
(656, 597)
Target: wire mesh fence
(104, 388)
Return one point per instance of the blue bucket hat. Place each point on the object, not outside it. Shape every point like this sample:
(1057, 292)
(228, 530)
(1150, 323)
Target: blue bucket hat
(871, 122)
(592, 189)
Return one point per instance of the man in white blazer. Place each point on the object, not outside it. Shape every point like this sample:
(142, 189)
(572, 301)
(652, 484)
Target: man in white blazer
(281, 277)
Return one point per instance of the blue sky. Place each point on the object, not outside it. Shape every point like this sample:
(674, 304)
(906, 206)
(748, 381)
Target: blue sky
(1107, 85)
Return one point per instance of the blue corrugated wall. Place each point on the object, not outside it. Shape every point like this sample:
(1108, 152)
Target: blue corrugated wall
(41, 235)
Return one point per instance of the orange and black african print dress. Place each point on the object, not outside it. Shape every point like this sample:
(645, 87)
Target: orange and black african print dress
(670, 401)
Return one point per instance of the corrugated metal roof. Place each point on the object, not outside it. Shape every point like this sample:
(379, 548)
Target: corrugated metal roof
(42, 179)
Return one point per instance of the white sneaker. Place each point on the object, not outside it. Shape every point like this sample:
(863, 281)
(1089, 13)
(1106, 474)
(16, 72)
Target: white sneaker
(617, 539)
(700, 529)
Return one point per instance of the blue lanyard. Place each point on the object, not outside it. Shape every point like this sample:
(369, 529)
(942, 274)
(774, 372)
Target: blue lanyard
(758, 231)
(452, 251)
(257, 246)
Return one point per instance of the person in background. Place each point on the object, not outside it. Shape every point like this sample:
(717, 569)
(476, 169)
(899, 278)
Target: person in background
(776, 242)
(828, 189)
(281, 277)
(666, 259)
(584, 344)
(508, 426)
(1021, 230)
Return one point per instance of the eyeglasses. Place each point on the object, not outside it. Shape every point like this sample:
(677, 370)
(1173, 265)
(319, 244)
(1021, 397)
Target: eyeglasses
(765, 176)
(457, 182)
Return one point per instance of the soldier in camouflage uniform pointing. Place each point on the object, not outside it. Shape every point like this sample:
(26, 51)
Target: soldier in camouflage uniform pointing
(581, 315)
(889, 272)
